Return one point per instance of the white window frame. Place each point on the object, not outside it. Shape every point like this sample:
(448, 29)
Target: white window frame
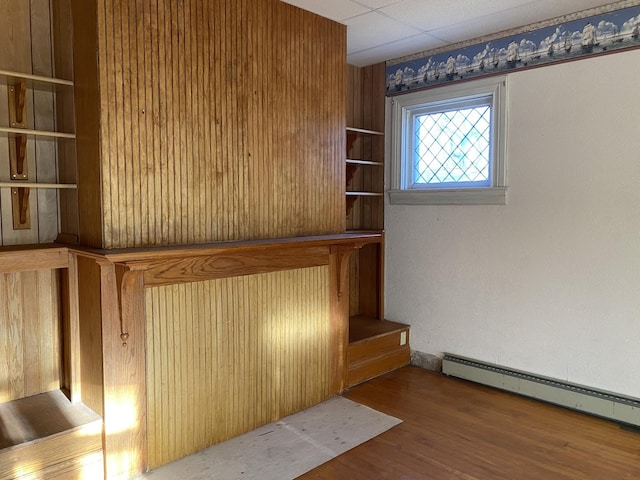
(403, 110)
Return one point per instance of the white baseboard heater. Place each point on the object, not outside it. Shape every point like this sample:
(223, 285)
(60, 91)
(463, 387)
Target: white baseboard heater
(609, 405)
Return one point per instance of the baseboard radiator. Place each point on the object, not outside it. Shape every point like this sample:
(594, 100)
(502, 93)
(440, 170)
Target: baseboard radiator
(604, 404)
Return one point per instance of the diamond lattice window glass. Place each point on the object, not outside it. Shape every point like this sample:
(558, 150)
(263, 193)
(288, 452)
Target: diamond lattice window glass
(448, 144)
(452, 147)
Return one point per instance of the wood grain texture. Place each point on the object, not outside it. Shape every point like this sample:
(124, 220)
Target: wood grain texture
(339, 316)
(125, 392)
(376, 355)
(200, 268)
(87, 113)
(45, 435)
(71, 358)
(34, 257)
(454, 429)
(225, 356)
(168, 253)
(30, 323)
(89, 310)
(219, 120)
(39, 416)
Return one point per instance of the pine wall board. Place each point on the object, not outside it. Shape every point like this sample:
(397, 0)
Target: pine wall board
(207, 121)
(30, 360)
(226, 356)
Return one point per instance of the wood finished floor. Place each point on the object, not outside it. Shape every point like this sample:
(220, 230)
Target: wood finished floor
(455, 429)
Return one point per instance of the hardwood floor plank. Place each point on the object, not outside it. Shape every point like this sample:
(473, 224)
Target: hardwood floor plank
(455, 429)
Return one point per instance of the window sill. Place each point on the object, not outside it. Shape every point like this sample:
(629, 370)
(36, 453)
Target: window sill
(466, 196)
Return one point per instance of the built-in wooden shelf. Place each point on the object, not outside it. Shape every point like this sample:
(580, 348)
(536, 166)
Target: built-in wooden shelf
(364, 131)
(31, 418)
(362, 327)
(364, 194)
(19, 184)
(47, 436)
(375, 347)
(123, 255)
(32, 81)
(36, 133)
(353, 161)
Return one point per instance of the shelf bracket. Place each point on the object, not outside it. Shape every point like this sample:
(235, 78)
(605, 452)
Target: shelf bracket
(17, 105)
(17, 157)
(20, 208)
(351, 200)
(350, 172)
(130, 291)
(342, 254)
(351, 140)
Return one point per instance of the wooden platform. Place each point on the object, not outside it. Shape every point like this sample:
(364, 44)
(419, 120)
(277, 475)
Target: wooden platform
(46, 436)
(375, 347)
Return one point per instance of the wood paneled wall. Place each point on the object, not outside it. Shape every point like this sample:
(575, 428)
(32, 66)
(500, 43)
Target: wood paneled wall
(30, 360)
(225, 356)
(216, 119)
(26, 47)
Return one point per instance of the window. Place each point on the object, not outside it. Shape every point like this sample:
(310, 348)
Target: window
(448, 144)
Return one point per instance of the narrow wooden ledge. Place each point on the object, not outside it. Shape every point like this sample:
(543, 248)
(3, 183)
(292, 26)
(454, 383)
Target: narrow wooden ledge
(171, 265)
(33, 257)
(126, 255)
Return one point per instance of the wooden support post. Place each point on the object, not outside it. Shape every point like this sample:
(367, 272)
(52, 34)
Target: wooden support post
(339, 315)
(72, 318)
(125, 399)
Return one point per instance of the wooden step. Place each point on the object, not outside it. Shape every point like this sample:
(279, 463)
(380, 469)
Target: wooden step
(375, 347)
(47, 437)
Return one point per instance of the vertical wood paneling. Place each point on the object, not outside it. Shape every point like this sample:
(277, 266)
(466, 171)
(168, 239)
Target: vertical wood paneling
(226, 356)
(29, 334)
(220, 120)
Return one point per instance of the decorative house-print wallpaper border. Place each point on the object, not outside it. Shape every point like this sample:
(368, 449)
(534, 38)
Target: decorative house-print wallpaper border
(574, 39)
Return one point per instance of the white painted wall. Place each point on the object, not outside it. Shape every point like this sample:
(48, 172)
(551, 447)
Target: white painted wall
(549, 283)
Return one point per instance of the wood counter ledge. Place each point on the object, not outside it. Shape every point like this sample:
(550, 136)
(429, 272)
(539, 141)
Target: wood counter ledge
(169, 265)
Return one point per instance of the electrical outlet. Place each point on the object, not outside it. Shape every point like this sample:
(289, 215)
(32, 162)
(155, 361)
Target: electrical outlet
(403, 338)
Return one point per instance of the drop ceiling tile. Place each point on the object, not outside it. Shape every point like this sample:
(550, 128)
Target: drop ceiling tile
(518, 17)
(373, 29)
(337, 10)
(375, 4)
(439, 13)
(400, 48)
